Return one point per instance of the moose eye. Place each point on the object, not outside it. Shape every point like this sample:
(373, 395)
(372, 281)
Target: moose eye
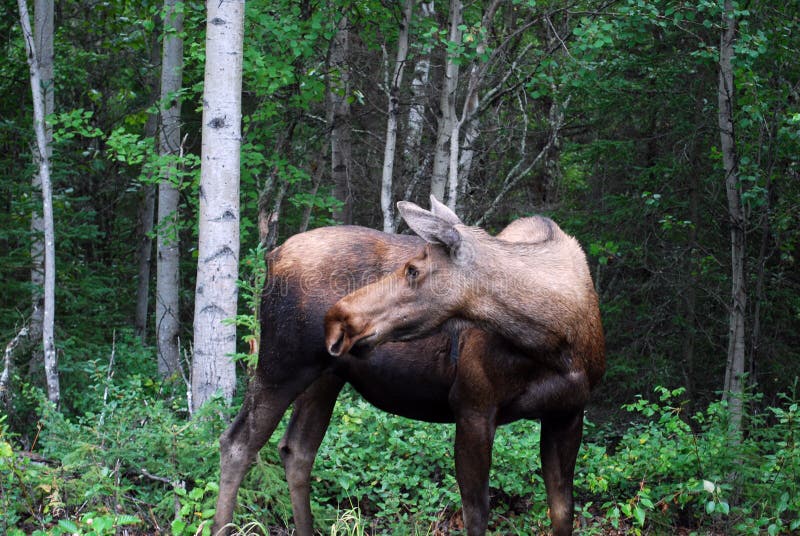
(411, 272)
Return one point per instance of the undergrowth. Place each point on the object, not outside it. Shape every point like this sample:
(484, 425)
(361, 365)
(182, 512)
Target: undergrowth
(132, 461)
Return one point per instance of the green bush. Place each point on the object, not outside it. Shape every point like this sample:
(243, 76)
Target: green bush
(132, 456)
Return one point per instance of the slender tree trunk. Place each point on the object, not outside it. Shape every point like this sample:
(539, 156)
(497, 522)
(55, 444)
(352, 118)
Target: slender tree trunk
(147, 204)
(42, 157)
(339, 120)
(415, 121)
(393, 92)
(169, 141)
(734, 369)
(144, 255)
(470, 108)
(447, 109)
(316, 179)
(218, 253)
(43, 29)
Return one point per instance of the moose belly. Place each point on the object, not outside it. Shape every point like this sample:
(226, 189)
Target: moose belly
(411, 379)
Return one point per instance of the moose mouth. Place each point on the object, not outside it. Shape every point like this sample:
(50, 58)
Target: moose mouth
(358, 345)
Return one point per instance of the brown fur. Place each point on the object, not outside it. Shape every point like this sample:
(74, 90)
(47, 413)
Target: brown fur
(492, 383)
(531, 292)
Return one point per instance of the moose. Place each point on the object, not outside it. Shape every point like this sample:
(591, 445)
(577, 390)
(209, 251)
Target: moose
(452, 325)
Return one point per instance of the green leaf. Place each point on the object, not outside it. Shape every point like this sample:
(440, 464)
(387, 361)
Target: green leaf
(68, 525)
(639, 514)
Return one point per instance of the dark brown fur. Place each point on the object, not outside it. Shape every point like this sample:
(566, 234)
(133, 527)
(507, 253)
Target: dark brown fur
(493, 382)
(541, 353)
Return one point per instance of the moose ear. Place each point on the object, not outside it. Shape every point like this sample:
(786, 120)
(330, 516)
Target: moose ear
(429, 226)
(442, 211)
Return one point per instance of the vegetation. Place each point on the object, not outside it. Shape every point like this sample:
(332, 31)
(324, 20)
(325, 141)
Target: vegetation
(602, 115)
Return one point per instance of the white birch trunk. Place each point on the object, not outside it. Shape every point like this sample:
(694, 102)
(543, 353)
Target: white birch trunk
(470, 108)
(734, 385)
(218, 253)
(42, 156)
(467, 154)
(413, 160)
(168, 256)
(393, 92)
(447, 105)
(43, 37)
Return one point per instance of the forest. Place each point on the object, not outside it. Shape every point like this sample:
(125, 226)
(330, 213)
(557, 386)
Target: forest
(663, 134)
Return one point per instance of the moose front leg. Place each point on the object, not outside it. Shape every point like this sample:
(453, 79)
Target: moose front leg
(299, 445)
(560, 441)
(473, 453)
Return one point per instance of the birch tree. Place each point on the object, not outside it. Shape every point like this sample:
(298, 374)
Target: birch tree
(447, 105)
(42, 157)
(43, 39)
(414, 164)
(734, 369)
(168, 255)
(218, 250)
(393, 112)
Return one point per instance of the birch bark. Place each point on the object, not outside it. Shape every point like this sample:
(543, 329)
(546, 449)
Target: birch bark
(43, 38)
(218, 250)
(393, 92)
(42, 157)
(447, 106)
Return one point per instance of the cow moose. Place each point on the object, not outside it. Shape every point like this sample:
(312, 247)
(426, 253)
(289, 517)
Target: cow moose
(419, 330)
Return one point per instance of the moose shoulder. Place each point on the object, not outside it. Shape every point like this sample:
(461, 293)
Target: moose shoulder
(494, 381)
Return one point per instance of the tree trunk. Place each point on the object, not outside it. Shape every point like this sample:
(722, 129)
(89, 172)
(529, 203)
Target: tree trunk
(42, 157)
(339, 120)
(169, 142)
(416, 111)
(144, 250)
(218, 252)
(393, 92)
(447, 109)
(43, 28)
(734, 370)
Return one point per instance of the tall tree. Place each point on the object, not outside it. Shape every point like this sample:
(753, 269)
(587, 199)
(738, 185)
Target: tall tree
(147, 204)
(339, 92)
(167, 274)
(42, 158)
(393, 112)
(735, 367)
(447, 104)
(43, 38)
(414, 164)
(218, 248)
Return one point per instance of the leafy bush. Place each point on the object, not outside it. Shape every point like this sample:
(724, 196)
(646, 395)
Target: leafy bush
(129, 455)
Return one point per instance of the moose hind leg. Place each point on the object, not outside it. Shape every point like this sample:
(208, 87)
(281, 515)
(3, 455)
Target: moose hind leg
(560, 441)
(299, 445)
(261, 411)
